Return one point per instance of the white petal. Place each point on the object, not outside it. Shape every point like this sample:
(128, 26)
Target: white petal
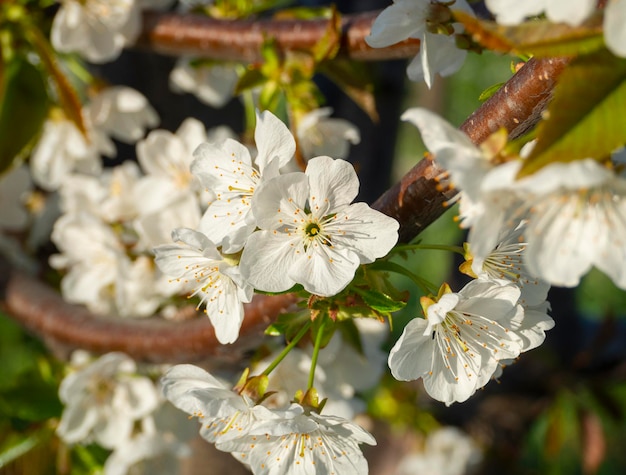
(411, 356)
(267, 260)
(281, 201)
(572, 12)
(273, 141)
(324, 270)
(404, 19)
(614, 31)
(333, 183)
(513, 12)
(369, 233)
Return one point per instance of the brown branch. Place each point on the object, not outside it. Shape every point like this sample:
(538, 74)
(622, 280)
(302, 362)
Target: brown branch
(241, 40)
(64, 326)
(415, 201)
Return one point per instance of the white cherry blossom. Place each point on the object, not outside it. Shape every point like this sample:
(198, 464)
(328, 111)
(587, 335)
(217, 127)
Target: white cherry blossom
(576, 215)
(223, 414)
(512, 12)
(95, 29)
(61, 150)
(456, 349)
(311, 234)
(92, 255)
(103, 400)
(303, 444)
(446, 451)
(409, 19)
(319, 134)
(195, 261)
(227, 170)
(158, 448)
(121, 112)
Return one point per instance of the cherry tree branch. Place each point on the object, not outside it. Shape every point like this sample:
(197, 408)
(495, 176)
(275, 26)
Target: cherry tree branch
(241, 40)
(415, 201)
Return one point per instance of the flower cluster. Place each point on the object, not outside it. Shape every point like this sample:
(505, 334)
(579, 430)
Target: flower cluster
(268, 230)
(270, 441)
(112, 402)
(110, 222)
(567, 217)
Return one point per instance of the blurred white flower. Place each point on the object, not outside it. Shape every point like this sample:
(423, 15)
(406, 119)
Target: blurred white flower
(95, 29)
(213, 84)
(512, 12)
(319, 134)
(158, 448)
(63, 149)
(103, 400)
(15, 184)
(92, 255)
(446, 451)
(121, 112)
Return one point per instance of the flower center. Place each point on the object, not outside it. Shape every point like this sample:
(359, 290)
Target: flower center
(312, 229)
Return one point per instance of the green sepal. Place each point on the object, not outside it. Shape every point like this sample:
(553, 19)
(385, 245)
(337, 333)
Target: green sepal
(379, 301)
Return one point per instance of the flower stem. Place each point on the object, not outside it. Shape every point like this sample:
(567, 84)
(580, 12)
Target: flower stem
(316, 351)
(435, 247)
(287, 349)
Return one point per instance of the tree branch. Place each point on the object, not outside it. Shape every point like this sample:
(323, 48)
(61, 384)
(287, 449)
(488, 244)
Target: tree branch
(415, 201)
(241, 40)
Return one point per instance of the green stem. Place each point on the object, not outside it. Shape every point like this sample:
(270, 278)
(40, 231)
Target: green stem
(316, 351)
(435, 247)
(287, 349)
(388, 266)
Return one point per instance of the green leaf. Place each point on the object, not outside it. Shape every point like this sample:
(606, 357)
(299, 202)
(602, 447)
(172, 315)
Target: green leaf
(355, 81)
(16, 445)
(250, 79)
(540, 38)
(23, 108)
(31, 401)
(585, 118)
(490, 91)
(378, 301)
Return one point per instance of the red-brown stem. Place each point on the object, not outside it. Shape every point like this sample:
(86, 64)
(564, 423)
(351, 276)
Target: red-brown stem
(415, 201)
(241, 40)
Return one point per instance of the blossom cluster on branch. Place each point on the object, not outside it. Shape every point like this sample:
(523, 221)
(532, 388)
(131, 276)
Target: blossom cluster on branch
(214, 217)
